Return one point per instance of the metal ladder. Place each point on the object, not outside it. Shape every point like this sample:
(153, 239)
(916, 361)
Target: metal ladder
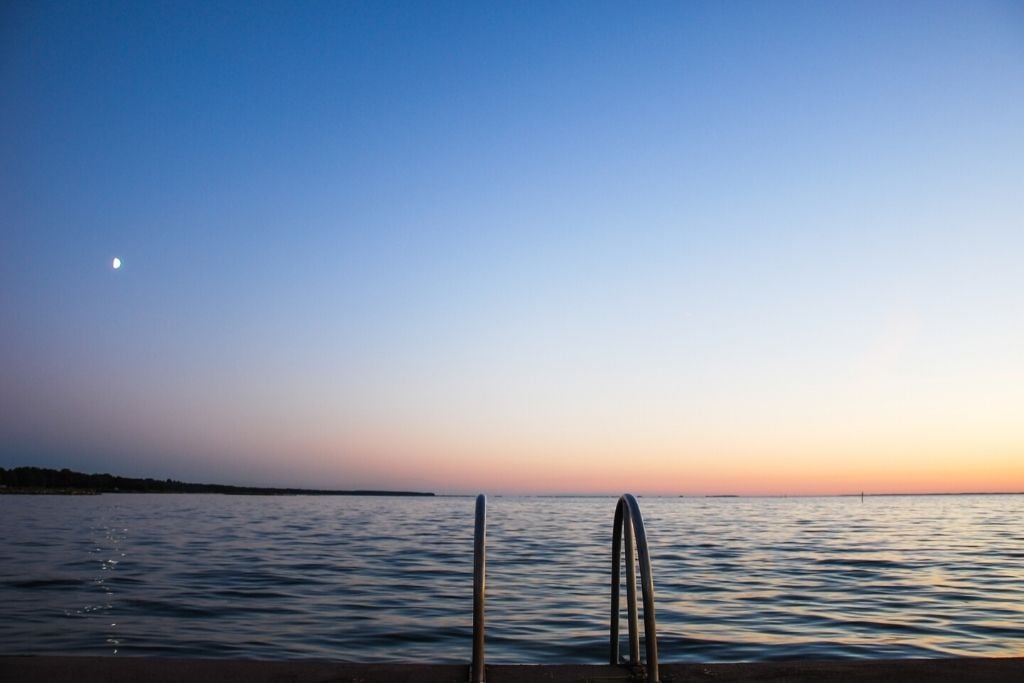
(628, 522)
(629, 519)
(479, 586)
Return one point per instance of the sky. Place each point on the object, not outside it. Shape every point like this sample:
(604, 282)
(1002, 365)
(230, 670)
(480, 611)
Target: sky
(556, 247)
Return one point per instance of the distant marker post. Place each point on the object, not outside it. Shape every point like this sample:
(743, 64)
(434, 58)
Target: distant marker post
(116, 263)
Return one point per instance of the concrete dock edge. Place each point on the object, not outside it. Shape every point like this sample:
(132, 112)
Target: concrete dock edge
(56, 669)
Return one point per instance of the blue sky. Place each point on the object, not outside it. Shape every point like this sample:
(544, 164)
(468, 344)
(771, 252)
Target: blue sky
(437, 245)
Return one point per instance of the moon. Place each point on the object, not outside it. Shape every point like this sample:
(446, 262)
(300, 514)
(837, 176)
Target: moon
(116, 263)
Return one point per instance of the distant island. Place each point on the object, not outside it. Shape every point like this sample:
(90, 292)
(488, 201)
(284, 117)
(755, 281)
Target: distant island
(29, 480)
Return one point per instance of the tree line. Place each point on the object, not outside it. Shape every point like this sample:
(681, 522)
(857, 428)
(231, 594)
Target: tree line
(29, 479)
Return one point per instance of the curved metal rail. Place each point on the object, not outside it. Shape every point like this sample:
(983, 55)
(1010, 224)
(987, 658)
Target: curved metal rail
(479, 581)
(629, 520)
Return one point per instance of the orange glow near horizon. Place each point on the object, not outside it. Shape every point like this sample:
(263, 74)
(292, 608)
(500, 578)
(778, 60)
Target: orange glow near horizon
(644, 451)
(703, 468)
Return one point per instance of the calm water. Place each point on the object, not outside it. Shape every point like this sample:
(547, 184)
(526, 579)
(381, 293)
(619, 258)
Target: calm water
(377, 579)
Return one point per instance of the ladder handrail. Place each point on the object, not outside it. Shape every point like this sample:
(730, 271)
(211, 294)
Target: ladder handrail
(479, 586)
(628, 518)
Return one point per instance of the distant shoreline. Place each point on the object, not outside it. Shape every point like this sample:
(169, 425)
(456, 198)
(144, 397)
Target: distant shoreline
(851, 495)
(34, 491)
(931, 493)
(46, 481)
(43, 481)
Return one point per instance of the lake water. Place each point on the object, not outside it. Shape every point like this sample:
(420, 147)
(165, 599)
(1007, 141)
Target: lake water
(390, 579)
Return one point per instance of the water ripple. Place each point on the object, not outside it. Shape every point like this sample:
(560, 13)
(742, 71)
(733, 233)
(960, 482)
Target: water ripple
(309, 577)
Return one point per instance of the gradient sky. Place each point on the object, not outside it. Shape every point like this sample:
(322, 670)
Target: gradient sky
(520, 247)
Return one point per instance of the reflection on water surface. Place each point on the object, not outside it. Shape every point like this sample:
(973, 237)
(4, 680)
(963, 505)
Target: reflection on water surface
(379, 579)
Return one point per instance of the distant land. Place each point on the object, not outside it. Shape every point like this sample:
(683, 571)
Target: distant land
(39, 480)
